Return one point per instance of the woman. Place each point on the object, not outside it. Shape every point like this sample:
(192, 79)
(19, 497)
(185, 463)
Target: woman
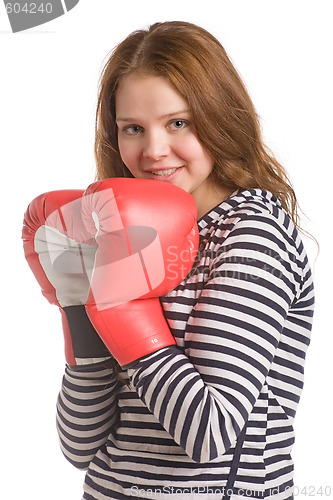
(214, 418)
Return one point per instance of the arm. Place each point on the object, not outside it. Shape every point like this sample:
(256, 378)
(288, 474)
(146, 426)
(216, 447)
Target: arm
(86, 411)
(203, 397)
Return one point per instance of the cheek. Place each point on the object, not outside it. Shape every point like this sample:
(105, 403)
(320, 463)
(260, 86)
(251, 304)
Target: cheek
(127, 152)
(193, 152)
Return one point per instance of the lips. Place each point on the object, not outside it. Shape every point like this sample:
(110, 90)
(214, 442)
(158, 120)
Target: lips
(164, 172)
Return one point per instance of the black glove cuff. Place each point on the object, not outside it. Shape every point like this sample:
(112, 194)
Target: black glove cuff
(85, 340)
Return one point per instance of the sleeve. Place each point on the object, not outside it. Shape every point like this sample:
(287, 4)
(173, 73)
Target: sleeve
(86, 411)
(204, 395)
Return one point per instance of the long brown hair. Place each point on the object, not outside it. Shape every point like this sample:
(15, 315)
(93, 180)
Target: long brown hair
(224, 116)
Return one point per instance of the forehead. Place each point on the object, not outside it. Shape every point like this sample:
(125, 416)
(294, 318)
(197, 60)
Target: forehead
(141, 95)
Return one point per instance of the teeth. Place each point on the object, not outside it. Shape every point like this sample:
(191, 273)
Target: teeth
(164, 173)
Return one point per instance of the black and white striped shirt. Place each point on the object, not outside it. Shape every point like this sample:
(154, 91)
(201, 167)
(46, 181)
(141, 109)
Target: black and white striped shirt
(211, 418)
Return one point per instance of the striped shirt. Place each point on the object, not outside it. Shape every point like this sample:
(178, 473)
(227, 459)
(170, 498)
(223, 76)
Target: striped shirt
(212, 417)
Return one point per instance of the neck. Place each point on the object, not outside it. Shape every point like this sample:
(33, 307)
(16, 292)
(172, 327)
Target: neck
(213, 197)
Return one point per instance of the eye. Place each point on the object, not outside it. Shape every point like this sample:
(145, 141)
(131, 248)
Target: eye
(132, 129)
(178, 124)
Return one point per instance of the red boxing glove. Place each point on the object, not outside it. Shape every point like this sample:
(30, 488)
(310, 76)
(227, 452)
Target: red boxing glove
(62, 266)
(147, 238)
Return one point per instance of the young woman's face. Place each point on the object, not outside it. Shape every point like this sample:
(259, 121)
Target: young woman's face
(157, 140)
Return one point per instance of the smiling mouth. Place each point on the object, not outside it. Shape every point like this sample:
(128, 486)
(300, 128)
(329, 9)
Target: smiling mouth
(165, 173)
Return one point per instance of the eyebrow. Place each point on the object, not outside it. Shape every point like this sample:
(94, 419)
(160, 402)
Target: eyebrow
(167, 115)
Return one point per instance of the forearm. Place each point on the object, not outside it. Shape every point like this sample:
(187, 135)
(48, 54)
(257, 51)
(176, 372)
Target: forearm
(204, 420)
(86, 411)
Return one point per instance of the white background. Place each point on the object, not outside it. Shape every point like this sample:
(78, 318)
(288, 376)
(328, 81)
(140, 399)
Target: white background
(48, 88)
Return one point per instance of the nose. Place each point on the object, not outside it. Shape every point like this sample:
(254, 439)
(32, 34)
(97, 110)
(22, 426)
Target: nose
(156, 145)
